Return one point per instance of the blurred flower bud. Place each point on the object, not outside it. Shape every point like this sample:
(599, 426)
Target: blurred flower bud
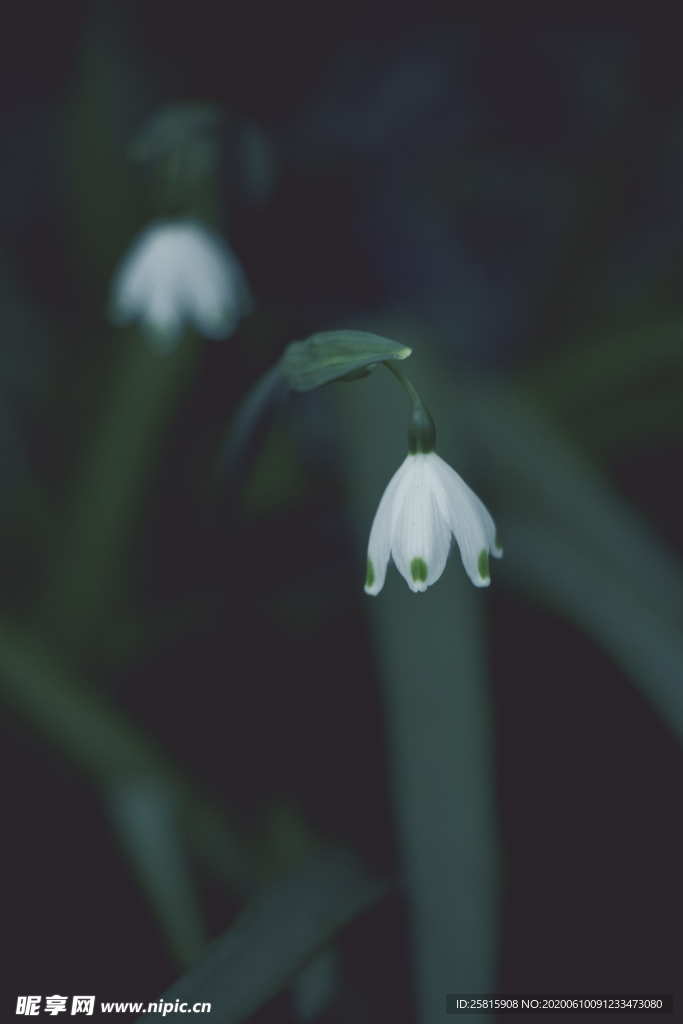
(180, 147)
(180, 274)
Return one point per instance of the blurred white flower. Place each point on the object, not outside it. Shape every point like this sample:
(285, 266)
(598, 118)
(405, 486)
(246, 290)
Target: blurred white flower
(180, 274)
(426, 502)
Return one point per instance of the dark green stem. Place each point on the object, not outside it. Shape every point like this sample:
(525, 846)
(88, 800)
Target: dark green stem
(422, 431)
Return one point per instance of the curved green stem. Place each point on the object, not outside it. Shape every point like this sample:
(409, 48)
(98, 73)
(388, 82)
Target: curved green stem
(422, 430)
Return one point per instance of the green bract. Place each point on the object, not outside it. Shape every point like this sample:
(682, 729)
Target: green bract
(336, 355)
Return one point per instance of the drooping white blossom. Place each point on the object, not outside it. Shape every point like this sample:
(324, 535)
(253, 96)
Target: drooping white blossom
(180, 274)
(425, 504)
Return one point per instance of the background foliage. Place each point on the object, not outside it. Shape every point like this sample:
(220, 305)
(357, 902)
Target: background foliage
(204, 715)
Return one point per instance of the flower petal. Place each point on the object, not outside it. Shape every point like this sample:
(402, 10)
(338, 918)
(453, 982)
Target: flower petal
(489, 525)
(379, 545)
(421, 534)
(472, 526)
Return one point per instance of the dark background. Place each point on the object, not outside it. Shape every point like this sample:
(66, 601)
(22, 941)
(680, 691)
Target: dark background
(512, 184)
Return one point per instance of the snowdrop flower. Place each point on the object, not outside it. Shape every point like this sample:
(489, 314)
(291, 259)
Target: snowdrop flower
(176, 274)
(424, 504)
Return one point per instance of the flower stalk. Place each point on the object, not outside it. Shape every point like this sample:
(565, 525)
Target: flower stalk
(422, 430)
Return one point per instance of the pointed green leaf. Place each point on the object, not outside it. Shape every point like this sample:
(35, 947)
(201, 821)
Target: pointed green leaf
(276, 935)
(336, 355)
(145, 813)
(553, 565)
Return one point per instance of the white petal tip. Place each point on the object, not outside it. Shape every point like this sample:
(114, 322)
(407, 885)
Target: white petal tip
(479, 572)
(483, 574)
(419, 573)
(372, 584)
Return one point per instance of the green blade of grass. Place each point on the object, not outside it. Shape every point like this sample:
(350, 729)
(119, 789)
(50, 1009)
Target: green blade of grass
(536, 474)
(145, 814)
(546, 561)
(278, 933)
(587, 552)
(88, 571)
(119, 757)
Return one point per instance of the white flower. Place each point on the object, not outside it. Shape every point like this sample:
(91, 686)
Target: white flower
(426, 502)
(179, 274)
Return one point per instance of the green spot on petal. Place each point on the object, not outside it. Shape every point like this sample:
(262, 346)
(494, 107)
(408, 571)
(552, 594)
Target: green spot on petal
(483, 564)
(418, 570)
(499, 546)
(369, 574)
